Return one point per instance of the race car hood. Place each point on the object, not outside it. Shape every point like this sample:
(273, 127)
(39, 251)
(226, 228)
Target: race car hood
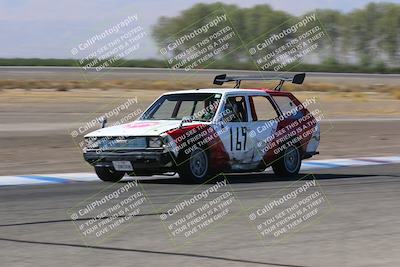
(138, 128)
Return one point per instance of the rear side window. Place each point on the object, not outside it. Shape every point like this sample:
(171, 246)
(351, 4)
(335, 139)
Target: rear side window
(284, 103)
(262, 109)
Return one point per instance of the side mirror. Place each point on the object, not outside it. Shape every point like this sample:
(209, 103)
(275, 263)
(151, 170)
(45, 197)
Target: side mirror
(103, 122)
(187, 119)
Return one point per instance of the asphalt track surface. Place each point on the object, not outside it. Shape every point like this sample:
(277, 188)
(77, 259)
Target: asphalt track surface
(359, 228)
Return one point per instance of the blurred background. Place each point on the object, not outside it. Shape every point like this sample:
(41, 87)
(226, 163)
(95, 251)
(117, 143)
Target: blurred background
(364, 36)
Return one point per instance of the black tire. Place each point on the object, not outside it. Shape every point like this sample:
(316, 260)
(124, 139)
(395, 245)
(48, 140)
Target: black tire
(108, 175)
(196, 167)
(289, 162)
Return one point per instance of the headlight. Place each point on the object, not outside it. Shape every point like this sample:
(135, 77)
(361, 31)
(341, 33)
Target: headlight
(155, 142)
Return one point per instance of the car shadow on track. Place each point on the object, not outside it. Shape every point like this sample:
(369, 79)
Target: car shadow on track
(258, 178)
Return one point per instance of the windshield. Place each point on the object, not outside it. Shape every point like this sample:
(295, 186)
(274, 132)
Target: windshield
(197, 106)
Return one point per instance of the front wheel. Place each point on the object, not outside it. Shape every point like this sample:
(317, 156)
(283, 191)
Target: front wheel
(289, 163)
(108, 175)
(196, 167)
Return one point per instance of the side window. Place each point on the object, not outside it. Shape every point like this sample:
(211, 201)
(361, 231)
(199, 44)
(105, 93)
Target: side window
(284, 103)
(235, 109)
(262, 109)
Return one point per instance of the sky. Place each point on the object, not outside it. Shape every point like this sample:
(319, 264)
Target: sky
(51, 28)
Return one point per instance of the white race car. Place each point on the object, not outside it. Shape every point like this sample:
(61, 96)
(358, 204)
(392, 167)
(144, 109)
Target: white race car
(203, 132)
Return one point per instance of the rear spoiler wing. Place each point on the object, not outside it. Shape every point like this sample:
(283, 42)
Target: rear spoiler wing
(294, 78)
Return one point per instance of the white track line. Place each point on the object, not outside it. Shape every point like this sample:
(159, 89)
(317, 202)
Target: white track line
(58, 178)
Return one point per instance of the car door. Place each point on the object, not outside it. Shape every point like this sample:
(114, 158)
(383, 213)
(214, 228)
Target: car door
(233, 125)
(264, 123)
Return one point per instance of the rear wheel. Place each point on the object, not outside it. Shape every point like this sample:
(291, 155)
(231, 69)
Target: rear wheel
(108, 175)
(289, 163)
(196, 167)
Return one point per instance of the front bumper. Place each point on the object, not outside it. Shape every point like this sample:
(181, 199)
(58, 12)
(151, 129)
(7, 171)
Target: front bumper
(147, 160)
